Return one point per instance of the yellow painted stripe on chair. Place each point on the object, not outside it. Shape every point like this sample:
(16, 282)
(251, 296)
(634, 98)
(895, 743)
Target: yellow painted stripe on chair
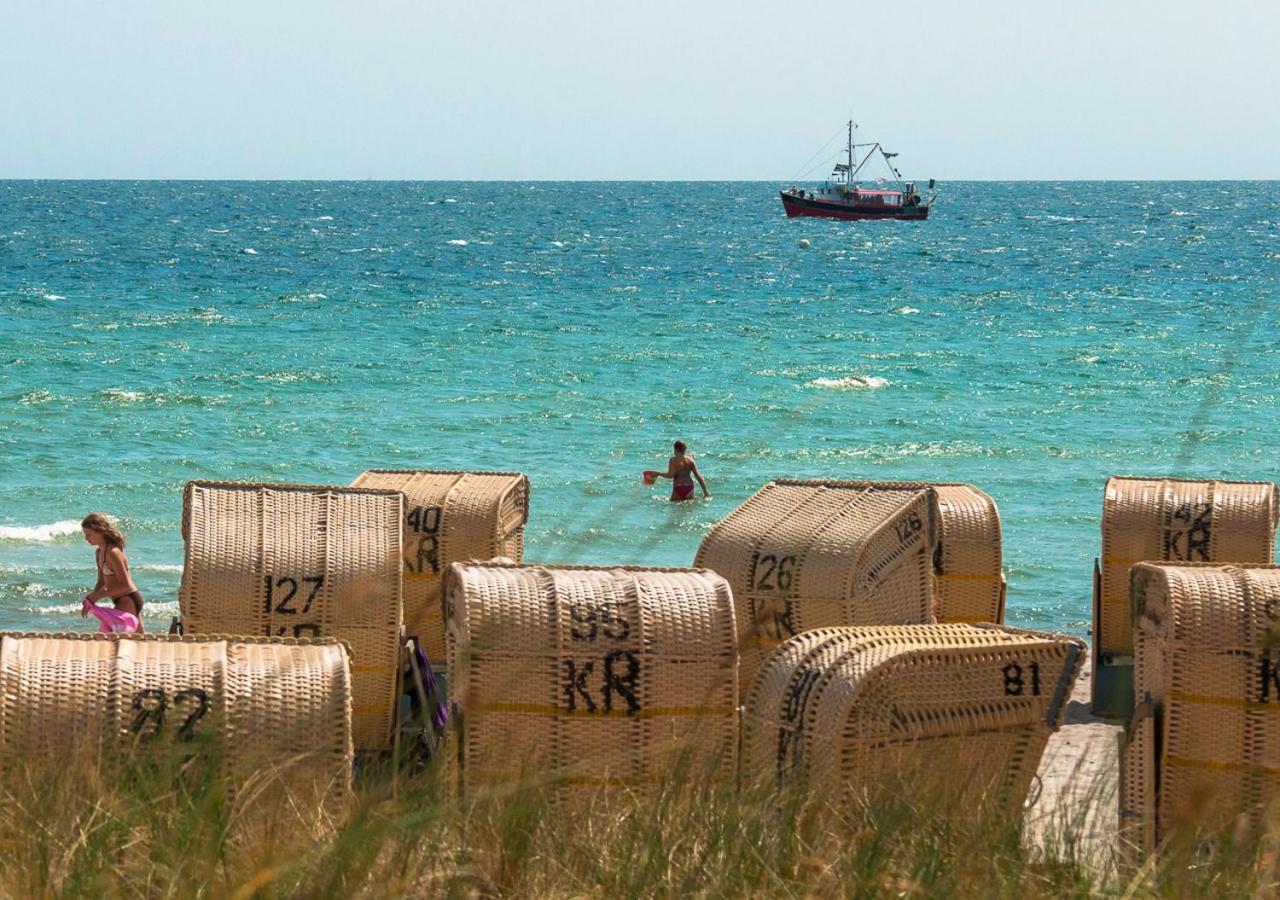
(1234, 702)
(1219, 766)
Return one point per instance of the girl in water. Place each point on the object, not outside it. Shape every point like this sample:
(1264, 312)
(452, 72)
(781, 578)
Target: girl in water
(114, 580)
(682, 470)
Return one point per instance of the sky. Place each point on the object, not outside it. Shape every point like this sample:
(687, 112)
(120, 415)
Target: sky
(656, 89)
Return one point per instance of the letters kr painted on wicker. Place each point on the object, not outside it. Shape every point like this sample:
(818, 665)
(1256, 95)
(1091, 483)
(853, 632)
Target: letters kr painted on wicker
(278, 706)
(1204, 743)
(807, 554)
(970, 705)
(450, 517)
(1177, 520)
(598, 675)
(302, 561)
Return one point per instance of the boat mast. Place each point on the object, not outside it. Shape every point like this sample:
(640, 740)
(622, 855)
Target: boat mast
(848, 173)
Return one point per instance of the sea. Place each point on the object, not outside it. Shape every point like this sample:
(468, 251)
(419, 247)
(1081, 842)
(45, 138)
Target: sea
(1031, 338)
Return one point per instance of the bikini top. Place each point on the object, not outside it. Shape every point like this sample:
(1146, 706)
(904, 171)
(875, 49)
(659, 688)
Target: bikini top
(102, 564)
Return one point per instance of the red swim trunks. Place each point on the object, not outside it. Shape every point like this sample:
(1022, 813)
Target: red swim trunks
(683, 491)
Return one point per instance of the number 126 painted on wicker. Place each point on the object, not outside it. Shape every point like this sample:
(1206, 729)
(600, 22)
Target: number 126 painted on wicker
(772, 572)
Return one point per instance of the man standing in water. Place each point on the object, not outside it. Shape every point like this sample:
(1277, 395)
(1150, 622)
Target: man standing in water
(681, 469)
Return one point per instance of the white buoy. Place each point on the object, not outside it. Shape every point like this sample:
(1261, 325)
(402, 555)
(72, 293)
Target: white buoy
(804, 243)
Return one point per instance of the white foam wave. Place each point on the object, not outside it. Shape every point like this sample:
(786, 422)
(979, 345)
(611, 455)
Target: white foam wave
(249, 251)
(160, 567)
(165, 609)
(850, 382)
(324, 218)
(907, 310)
(54, 297)
(458, 242)
(119, 396)
(40, 533)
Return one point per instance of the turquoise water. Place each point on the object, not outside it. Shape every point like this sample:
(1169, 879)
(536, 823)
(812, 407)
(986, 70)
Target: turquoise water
(1031, 338)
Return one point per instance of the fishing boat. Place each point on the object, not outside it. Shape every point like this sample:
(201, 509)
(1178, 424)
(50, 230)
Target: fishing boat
(842, 197)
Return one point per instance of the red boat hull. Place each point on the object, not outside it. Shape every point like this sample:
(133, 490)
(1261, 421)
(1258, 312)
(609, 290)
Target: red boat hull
(824, 208)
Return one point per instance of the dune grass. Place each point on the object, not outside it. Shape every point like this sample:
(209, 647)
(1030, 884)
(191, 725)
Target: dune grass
(178, 828)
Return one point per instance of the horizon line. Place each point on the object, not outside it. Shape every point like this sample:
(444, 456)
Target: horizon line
(381, 180)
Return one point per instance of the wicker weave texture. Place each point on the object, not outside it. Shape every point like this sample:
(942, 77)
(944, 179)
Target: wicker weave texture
(1165, 519)
(278, 706)
(969, 583)
(801, 555)
(840, 708)
(450, 517)
(1207, 669)
(302, 561)
(598, 675)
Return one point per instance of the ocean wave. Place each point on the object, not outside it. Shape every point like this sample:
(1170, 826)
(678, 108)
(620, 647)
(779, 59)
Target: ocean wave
(850, 382)
(906, 310)
(159, 398)
(162, 609)
(457, 242)
(284, 377)
(895, 452)
(40, 533)
(160, 567)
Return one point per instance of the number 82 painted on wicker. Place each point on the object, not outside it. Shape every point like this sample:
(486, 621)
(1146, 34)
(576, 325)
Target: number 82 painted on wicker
(151, 704)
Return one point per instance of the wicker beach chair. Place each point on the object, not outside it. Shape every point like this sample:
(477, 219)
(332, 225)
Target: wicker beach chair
(591, 676)
(302, 561)
(1166, 519)
(1202, 750)
(969, 707)
(968, 572)
(450, 517)
(809, 554)
(275, 709)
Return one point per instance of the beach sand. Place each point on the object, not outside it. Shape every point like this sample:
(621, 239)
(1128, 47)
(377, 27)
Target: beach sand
(1078, 781)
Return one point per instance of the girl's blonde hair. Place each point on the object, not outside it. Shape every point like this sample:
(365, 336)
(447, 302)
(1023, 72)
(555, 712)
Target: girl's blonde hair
(104, 526)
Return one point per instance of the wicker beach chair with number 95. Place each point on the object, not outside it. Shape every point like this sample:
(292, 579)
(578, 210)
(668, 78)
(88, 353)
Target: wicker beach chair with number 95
(290, 561)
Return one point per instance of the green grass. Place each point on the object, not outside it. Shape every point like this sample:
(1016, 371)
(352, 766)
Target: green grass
(177, 828)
